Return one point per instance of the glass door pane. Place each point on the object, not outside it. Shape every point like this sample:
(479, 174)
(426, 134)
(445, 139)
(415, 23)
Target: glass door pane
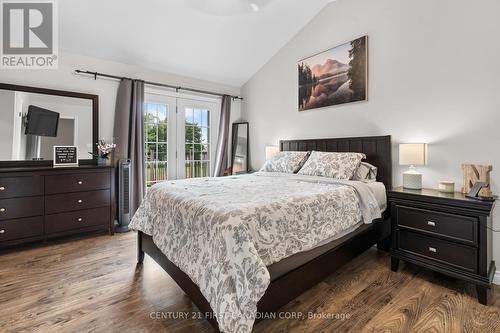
(197, 119)
(179, 139)
(159, 132)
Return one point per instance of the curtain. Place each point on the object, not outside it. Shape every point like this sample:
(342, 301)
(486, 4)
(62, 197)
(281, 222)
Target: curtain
(128, 135)
(222, 153)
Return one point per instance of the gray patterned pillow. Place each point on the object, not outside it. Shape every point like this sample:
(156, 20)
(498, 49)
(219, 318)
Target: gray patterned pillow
(365, 172)
(333, 165)
(285, 161)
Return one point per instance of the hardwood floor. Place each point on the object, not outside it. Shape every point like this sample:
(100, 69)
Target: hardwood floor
(93, 285)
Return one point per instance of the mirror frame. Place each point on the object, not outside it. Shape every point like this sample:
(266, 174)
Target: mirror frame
(95, 122)
(233, 146)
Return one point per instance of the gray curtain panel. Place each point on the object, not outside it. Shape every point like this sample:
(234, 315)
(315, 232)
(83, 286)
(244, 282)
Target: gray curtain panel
(222, 153)
(128, 134)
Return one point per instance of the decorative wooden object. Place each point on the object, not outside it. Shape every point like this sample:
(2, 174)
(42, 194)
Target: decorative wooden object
(474, 173)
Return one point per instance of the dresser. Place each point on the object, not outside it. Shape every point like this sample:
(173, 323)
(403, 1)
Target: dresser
(447, 233)
(39, 203)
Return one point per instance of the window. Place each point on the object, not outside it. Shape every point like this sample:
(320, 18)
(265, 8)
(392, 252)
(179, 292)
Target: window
(197, 140)
(178, 133)
(155, 142)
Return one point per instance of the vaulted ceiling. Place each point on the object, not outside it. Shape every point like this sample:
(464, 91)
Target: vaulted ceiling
(226, 42)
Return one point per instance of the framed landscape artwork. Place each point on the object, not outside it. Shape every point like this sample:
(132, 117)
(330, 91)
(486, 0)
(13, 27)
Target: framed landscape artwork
(336, 76)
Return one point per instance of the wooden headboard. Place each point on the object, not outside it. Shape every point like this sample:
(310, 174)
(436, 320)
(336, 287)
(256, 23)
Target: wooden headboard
(376, 148)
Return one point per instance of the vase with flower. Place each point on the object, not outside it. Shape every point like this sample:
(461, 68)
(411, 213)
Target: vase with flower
(104, 151)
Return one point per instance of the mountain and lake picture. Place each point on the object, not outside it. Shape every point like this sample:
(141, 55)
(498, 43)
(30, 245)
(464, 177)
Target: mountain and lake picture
(335, 76)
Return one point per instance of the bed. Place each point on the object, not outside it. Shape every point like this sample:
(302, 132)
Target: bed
(253, 274)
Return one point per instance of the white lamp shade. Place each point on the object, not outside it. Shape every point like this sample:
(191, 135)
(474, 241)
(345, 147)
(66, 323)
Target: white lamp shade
(271, 151)
(413, 154)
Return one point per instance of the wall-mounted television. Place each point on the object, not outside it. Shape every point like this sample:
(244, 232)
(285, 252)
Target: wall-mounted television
(41, 121)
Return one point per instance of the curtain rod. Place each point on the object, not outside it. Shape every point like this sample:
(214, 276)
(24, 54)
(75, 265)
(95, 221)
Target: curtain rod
(177, 88)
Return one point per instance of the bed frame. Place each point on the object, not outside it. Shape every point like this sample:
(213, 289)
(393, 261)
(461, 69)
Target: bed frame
(299, 279)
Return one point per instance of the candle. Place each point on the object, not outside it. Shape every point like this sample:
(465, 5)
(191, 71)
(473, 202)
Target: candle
(446, 186)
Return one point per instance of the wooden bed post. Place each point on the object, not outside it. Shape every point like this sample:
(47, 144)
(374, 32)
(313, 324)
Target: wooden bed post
(385, 244)
(140, 252)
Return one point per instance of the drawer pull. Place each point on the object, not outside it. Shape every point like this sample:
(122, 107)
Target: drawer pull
(79, 219)
(2, 210)
(80, 201)
(80, 182)
(2, 188)
(431, 223)
(2, 231)
(432, 249)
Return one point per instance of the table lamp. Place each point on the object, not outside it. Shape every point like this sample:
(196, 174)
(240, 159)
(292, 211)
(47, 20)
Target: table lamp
(271, 151)
(412, 154)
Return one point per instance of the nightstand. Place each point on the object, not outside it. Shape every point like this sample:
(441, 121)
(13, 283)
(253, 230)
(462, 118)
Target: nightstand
(444, 232)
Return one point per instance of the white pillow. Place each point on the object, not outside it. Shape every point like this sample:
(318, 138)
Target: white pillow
(332, 165)
(365, 172)
(285, 161)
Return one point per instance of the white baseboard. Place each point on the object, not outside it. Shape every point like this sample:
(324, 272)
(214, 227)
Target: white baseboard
(496, 278)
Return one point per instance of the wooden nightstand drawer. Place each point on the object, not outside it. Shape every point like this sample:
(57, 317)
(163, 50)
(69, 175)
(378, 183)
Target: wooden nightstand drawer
(63, 222)
(58, 203)
(23, 186)
(450, 226)
(77, 182)
(21, 228)
(20, 207)
(462, 256)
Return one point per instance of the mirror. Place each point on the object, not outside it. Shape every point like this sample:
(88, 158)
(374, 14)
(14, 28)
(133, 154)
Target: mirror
(33, 120)
(239, 151)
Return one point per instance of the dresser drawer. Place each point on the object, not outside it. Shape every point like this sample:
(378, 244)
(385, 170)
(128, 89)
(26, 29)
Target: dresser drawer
(77, 182)
(21, 228)
(58, 203)
(23, 186)
(462, 256)
(20, 207)
(451, 226)
(77, 220)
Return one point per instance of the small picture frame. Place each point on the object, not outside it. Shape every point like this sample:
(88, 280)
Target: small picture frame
(65, 156)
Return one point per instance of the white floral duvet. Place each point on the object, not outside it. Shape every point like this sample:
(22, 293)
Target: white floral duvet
(223, 232)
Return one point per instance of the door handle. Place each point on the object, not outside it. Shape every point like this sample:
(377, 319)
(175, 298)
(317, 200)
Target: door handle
(432, 249)
(431, 223)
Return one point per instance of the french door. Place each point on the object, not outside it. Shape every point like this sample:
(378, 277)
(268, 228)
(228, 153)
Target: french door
(179, 137)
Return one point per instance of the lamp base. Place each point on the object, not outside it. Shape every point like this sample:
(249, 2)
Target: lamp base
(412, 179)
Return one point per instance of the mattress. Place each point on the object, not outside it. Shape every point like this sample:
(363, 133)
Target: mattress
(378, 190)
(285, 265)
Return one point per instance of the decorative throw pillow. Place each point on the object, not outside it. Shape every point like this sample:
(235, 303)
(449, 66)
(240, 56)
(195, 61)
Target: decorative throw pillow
(365, 172)
(333, 165)
(285, 161)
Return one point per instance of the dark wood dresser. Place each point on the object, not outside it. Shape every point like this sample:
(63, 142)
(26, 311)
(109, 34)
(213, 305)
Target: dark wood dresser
(447, 233)
(38, 203)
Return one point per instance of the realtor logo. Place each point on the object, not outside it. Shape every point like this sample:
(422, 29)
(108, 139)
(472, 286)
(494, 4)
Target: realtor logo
(29, 34)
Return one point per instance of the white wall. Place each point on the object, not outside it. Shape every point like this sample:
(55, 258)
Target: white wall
(7, 102)
(434, 76)
(69, 108)
(64, 79)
